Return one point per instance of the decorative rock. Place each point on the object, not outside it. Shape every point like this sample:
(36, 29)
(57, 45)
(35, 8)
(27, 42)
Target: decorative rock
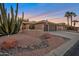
(46, 36)
(4, 54)
(31, 47)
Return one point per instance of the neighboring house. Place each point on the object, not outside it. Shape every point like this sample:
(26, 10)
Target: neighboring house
(25, 25)
(76, 29)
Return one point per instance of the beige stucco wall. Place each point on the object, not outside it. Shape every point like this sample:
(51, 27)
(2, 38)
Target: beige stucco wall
(26, 27)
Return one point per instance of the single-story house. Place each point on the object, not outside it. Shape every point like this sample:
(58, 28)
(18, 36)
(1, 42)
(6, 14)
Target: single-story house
(43, 26)
(49, 26)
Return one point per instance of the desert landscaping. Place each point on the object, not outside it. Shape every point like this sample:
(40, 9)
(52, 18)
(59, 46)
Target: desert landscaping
(30, 43)
(22, 37)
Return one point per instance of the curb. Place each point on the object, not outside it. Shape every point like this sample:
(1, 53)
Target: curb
(61, 50)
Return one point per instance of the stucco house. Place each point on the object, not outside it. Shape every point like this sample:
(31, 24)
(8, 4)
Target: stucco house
(49, 26)
(43, 25)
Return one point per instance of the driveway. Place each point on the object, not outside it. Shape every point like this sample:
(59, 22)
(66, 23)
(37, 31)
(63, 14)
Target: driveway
(61, 50)
(71, 35)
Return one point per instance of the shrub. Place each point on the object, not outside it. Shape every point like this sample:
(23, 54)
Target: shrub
(9, 43)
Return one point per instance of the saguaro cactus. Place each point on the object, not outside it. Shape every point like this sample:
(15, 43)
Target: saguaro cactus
(9, 23)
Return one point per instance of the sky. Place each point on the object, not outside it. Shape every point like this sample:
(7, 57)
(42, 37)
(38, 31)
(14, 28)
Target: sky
(41, 11)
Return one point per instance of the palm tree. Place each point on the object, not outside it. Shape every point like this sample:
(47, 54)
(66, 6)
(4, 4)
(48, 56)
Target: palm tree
(72, 14)
(67, 14)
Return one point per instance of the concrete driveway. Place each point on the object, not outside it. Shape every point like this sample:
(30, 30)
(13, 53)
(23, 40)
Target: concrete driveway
(61, 50)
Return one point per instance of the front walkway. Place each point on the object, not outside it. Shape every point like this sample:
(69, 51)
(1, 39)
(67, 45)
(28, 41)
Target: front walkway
(60, 51)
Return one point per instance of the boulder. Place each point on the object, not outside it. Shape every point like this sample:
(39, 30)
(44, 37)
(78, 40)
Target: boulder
(46, 36)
